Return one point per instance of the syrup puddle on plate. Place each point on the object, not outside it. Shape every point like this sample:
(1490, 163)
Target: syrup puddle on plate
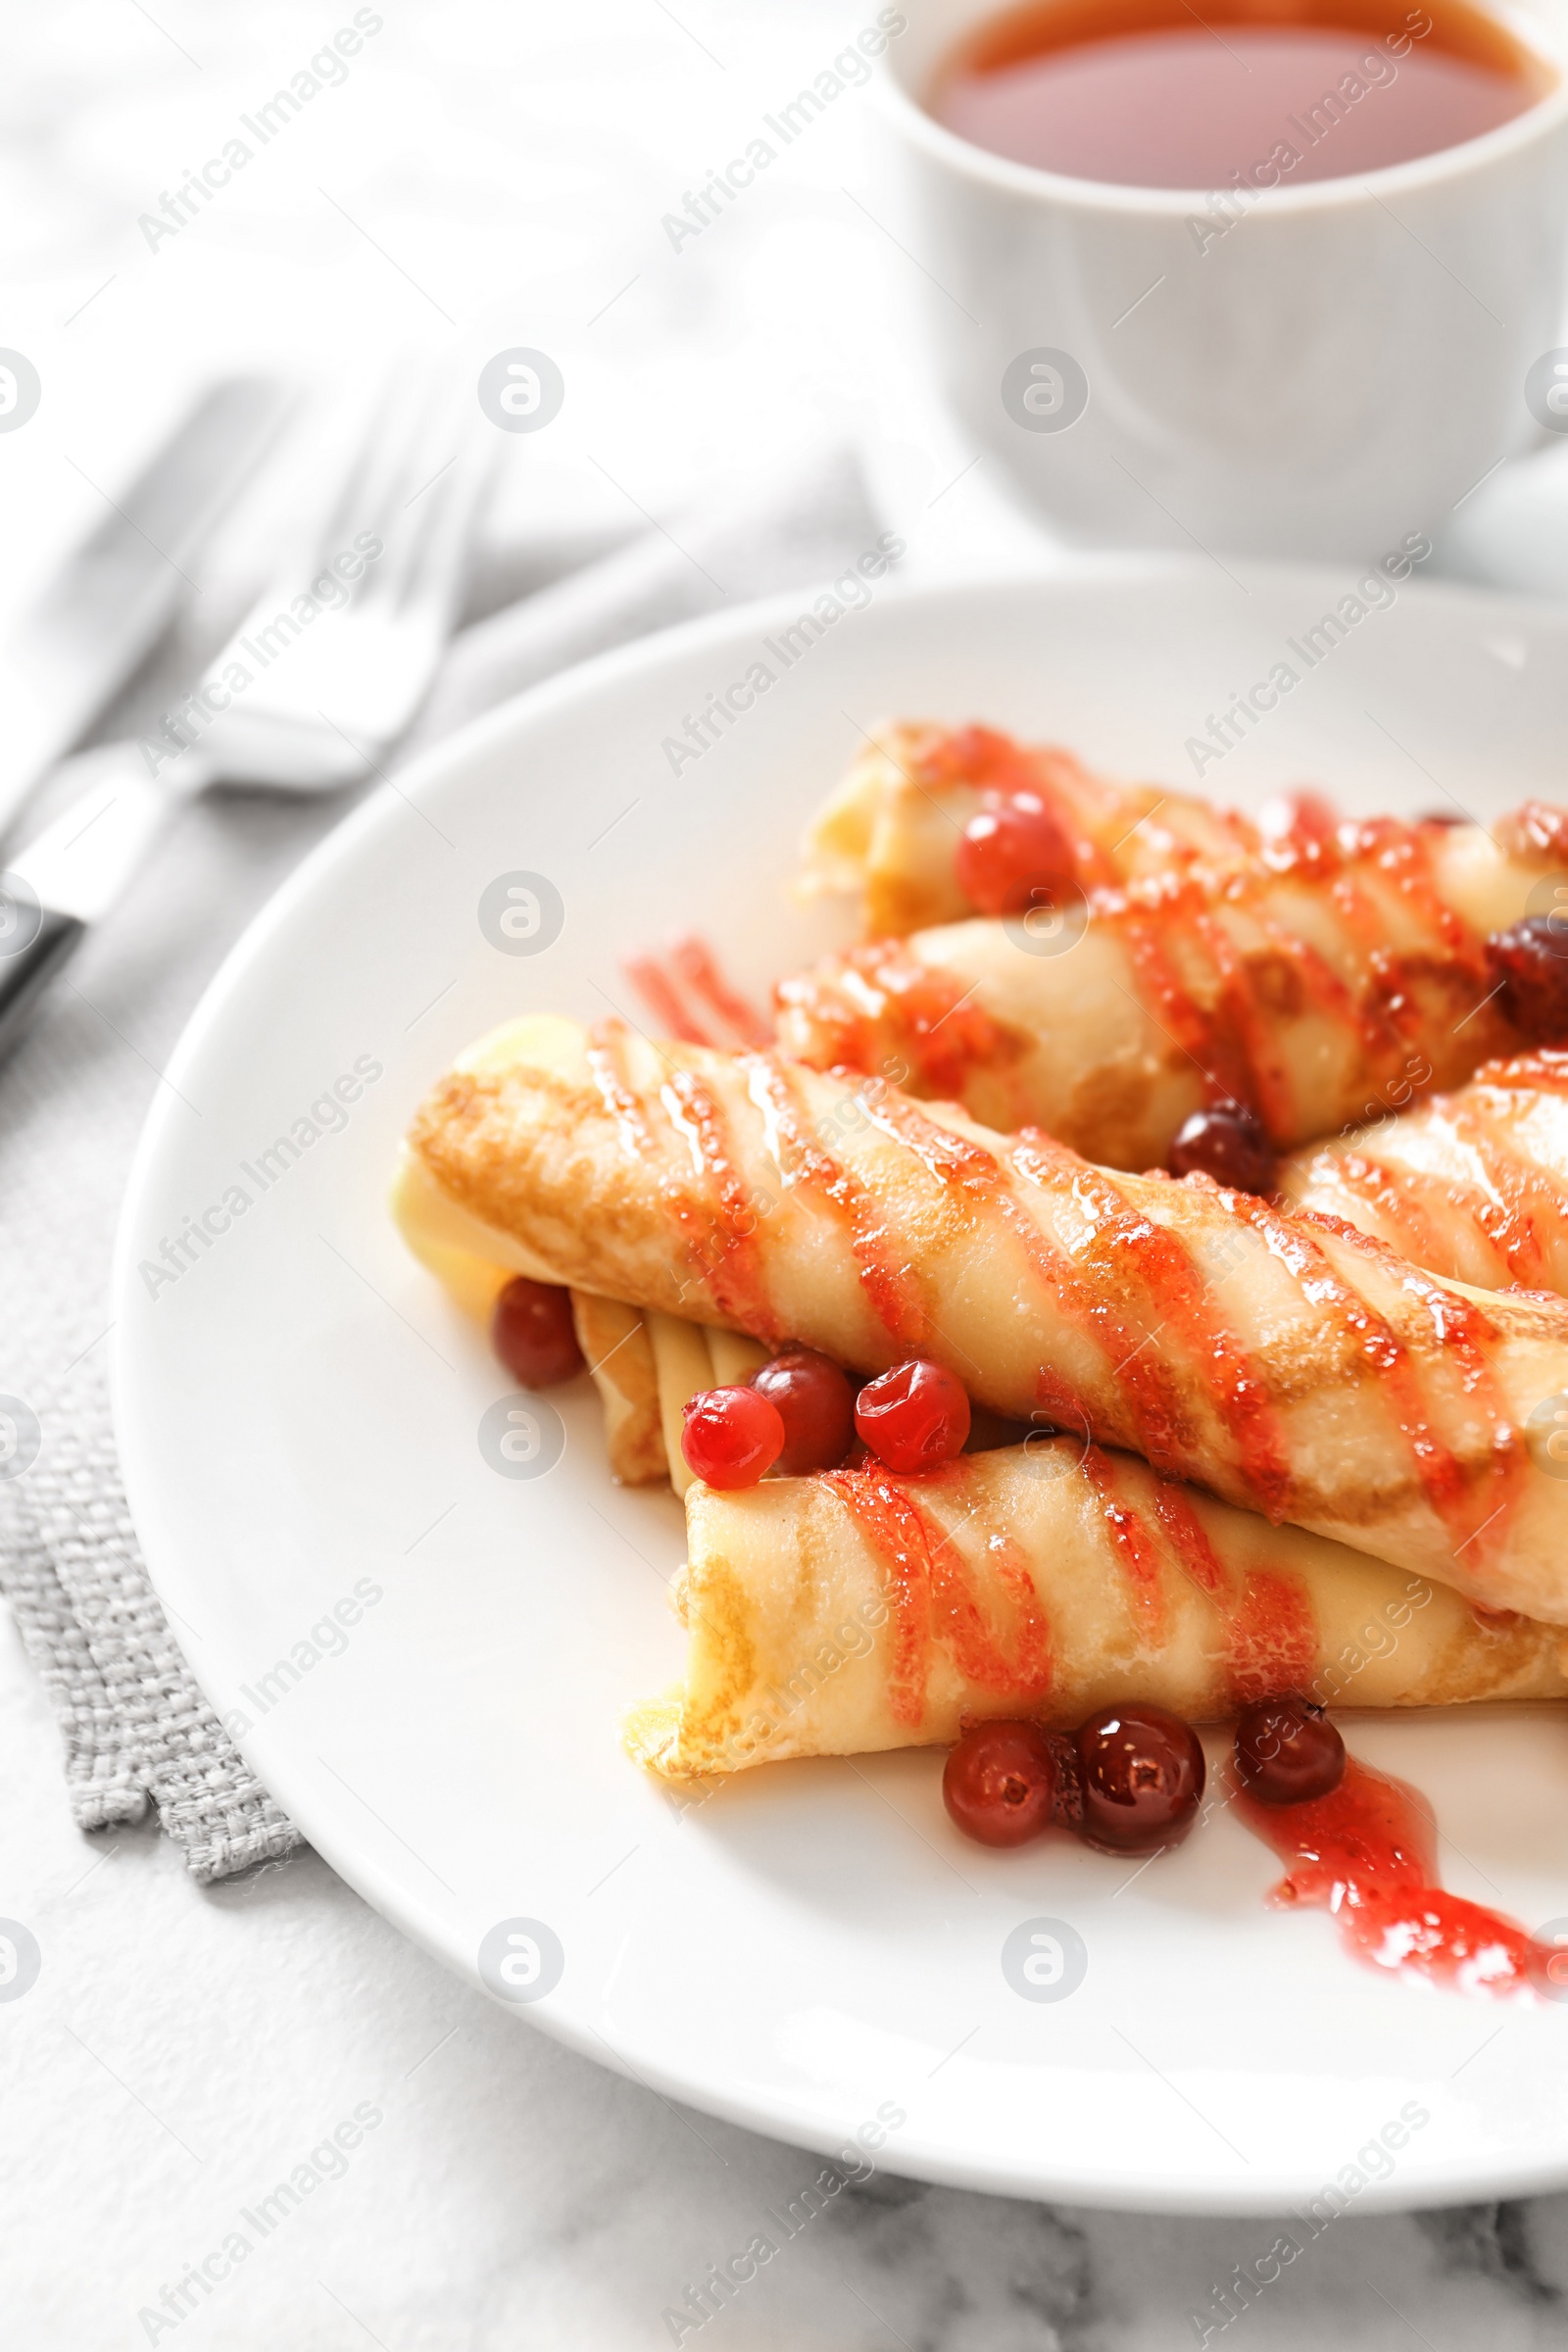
(1367, 1852)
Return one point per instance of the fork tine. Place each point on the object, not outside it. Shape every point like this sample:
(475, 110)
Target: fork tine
(387, 441)
(430, 498)
(442, 520)
(372, 424)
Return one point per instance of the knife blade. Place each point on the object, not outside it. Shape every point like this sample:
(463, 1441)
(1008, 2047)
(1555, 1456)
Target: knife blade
(115, 593)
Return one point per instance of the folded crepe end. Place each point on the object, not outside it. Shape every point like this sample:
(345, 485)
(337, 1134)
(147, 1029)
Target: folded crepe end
(675, 1736)
(461, 1249)
(469, 1276)
(701, 1724)
(837, 841)
(651, 1733)
(535, 1041)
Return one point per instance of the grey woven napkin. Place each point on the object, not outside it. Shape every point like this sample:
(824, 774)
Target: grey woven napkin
(138, 1729)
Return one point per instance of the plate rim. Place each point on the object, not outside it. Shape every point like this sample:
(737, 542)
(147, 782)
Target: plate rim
(1440, 2185)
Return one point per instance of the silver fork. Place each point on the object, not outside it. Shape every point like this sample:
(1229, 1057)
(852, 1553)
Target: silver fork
(326, 672)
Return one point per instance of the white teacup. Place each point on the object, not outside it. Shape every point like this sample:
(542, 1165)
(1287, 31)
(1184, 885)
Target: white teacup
(1327, 374)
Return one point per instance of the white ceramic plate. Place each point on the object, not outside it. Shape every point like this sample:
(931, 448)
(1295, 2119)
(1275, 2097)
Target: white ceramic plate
(299, 1410)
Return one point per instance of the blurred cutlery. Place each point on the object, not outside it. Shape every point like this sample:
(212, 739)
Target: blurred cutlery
(321, 701)
(115, 595)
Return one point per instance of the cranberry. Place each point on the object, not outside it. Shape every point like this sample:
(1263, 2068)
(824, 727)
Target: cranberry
(1226, 1142)
(1287, 1751)
(1443, 817)
(532, 1332)
(914, 1417)
(1011, 846)
(731, 1436)
(1000, 1783)
(815, 1403)
(1143, 1775)
(1531, 961)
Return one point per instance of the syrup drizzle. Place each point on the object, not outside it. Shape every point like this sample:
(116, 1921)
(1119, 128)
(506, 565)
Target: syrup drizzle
(714, 1207)
(697, 965)
(984, 758)
(1251, 1037)
(1145, 1383)
(941, 1033)
(1195, 1554)
(932, 1597)
(1298, 828)
(606, 1048)
(1459, 1328)
(1148, 1385)
(1270, 1624)
(1143, 1570)
(1419, 1205)
(1521, 1190)
(1273, 1636)
(724, 1211)
(1166, 1270)
(654, 985)
(1159, 942)
(1405, 1201)
(1223, 1003)
(890, 1284)
(1464, 1334)
(1313, 985)
(1536, 831)
(690, 998)
(1367, 1852)
(1546, 1067)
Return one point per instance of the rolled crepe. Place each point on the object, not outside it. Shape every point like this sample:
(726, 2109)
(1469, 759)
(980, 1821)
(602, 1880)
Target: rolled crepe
(1473, 1184)
(1292, 1366)
(891, 828)
(1342, 964)
(856, 1610)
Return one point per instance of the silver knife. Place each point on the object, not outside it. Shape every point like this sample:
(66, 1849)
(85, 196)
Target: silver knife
(115, 595)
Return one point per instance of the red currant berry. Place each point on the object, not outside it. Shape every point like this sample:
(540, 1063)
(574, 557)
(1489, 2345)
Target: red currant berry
(1010, 848)
(1287, 1751)
(1531, 963)
(532, 1332)
(1226, 1142)
(1143, 1775)
(914, 1417)
(1000, 1783)
(730, 1437)
(815, 1403)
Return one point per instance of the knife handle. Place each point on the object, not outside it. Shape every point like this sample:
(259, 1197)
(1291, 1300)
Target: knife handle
(74, 872)
(25, 974)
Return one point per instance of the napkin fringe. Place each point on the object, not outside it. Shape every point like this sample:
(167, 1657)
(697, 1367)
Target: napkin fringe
(136, 1728)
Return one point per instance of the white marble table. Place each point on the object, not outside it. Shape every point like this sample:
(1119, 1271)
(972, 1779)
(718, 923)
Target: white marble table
(486, 174)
